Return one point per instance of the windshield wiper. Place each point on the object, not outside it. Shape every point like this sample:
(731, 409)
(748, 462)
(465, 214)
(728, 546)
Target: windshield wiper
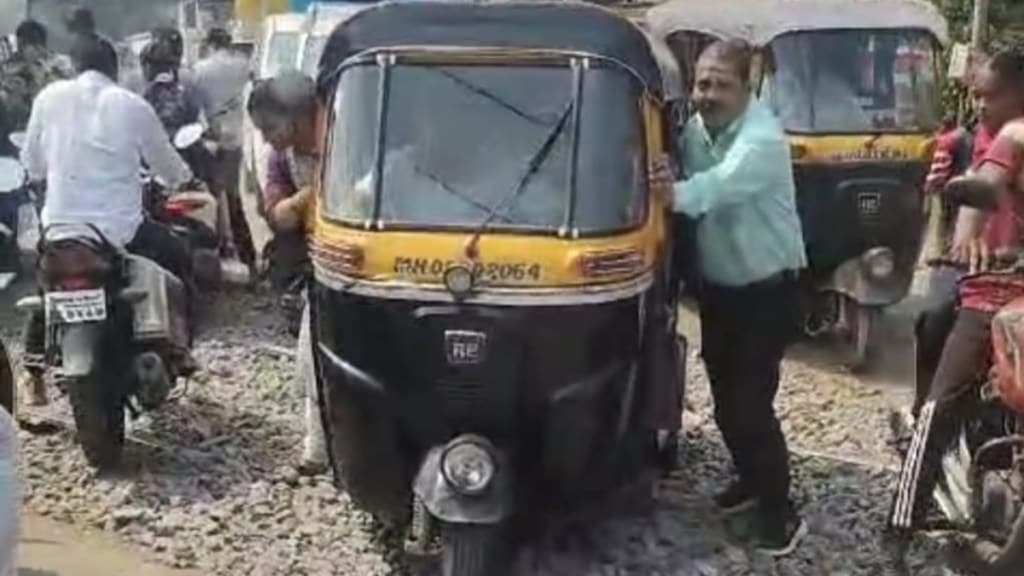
(480, 91)
(536, 162)
(449, 189)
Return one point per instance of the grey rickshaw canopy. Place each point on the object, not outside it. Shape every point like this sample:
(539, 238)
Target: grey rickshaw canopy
(571, 27)
(759, 22)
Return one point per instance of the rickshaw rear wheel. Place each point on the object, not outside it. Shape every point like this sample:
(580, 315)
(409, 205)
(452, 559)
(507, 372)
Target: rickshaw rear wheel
(474, 550)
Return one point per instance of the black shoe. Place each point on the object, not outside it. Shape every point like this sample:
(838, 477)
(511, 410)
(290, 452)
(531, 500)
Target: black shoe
(736, 498)
(780, 534)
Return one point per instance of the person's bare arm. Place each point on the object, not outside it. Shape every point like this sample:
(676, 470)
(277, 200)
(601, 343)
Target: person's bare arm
(289, 213)
(1001, 168)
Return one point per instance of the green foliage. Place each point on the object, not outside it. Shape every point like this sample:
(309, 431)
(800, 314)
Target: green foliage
(1006, 20)
(1006, 27)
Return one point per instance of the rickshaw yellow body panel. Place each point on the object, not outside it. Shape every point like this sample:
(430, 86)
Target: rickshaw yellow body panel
(861, 148)
(505, 259)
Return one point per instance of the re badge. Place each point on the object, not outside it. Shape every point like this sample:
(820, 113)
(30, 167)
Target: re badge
(465, 347)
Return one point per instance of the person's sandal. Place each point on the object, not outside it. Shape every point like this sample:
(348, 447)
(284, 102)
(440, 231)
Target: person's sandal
(781, 537)
(735, 499)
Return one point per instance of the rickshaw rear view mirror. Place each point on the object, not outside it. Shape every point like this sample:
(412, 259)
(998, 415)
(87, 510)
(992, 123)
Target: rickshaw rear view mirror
(12, 175)
(188, 135)
(974, 192)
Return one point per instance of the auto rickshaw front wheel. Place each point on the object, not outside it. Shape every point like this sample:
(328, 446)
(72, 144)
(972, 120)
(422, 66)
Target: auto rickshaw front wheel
(861, 324)
(474, 550)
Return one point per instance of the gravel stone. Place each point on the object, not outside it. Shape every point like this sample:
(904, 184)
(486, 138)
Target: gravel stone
(208, 482)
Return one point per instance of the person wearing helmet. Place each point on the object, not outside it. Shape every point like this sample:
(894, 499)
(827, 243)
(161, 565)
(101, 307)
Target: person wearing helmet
(174, 100)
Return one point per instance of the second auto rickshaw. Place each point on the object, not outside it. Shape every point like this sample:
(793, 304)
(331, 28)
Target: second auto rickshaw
(856, 85)
(492, 313)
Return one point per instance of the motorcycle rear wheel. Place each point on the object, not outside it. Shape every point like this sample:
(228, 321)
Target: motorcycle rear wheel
(6, 381)
(99, 419)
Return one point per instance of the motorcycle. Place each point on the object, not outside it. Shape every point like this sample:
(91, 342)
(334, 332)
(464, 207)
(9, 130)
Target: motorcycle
(116, 331)
(12, 178)
(199, 150)
(18, 220)
(192, 216)
(980, 487)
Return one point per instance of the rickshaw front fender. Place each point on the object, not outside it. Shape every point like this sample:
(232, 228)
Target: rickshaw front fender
(446, 504)
(852, 280)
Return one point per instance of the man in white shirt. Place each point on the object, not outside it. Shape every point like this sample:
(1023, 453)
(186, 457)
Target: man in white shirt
(87, 138)
(220, 81)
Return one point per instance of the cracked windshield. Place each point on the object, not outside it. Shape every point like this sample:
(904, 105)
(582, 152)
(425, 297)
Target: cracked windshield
(511, 288)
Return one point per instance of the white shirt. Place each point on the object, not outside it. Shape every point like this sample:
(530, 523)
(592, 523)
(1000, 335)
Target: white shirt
(87, 137)
(220, 82)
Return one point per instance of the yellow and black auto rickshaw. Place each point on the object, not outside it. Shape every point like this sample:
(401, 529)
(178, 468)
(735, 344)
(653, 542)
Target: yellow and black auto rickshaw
(856, 85)
(492, 311)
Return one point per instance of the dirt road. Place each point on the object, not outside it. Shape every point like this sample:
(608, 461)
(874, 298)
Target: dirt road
(47, 548)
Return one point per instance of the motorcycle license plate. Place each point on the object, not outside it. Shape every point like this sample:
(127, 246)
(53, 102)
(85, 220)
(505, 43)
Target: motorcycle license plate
(76, 307)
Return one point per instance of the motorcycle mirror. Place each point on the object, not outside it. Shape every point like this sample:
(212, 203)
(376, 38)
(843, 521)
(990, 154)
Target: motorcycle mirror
(18, 139)
(972, 191)
(12, 175)
(188, 135)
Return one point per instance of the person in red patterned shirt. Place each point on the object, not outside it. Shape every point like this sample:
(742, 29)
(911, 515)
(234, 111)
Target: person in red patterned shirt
(979, 242)
(996, 103)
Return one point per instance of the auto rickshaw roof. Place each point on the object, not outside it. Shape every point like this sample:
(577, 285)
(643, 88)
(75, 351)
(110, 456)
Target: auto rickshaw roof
(761, 21)
(531, 25)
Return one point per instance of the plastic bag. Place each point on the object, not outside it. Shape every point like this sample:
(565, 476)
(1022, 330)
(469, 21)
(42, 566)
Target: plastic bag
(28, 228)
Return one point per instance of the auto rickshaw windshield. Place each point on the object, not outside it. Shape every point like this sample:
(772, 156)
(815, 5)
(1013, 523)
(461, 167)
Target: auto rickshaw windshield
(854, 81)
(461, 141)
(282, 52)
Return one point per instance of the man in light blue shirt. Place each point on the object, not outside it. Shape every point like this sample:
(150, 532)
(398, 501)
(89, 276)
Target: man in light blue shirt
(739, 190)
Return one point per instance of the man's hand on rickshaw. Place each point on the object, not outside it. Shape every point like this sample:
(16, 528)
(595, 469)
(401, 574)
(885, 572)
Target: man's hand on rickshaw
(661, 176)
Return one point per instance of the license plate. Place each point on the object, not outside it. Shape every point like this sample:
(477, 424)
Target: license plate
(76, 307)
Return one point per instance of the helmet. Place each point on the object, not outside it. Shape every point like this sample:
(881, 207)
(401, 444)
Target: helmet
(170, 37)
(218, 38)
(157, 58)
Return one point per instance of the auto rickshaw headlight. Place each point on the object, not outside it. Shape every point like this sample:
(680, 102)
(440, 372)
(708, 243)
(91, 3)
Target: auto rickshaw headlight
(458, 279)
(468, 467)
(879, 262)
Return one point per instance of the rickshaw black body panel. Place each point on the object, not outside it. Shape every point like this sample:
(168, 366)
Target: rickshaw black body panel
(846, 210)
(565, 26)
(548, 385)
